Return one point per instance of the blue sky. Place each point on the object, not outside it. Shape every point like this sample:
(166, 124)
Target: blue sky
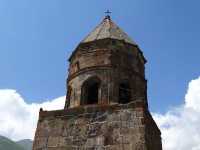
(37, 37)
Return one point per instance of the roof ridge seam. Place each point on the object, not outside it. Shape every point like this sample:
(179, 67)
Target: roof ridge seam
(100, 29)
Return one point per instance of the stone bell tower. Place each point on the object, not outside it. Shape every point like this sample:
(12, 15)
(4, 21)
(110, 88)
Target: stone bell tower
(107, 67)
(106, 103)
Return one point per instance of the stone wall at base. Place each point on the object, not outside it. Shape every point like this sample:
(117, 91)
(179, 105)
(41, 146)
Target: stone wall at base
(97, 127)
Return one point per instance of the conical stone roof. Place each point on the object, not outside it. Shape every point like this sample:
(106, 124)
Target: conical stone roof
(108, 29)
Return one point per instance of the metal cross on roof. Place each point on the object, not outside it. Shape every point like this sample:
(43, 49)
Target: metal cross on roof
(108, 12)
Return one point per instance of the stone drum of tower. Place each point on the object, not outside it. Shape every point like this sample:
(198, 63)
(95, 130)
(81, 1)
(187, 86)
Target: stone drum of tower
(107, 67)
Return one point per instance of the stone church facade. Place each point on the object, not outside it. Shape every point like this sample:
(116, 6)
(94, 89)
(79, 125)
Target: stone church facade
(106, 102)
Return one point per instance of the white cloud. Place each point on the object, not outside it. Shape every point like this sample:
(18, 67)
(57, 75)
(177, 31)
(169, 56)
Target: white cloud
(18, 119)
(180, 126)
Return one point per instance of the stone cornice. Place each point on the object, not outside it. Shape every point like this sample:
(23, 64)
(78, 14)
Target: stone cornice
(100, 67)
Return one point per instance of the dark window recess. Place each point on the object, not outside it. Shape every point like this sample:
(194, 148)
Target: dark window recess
(90, 92)
(124, 93)
(69, 93)
(93, 93)
(113, 42)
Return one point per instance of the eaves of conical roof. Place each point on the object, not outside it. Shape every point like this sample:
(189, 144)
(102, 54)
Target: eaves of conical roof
(108, 29)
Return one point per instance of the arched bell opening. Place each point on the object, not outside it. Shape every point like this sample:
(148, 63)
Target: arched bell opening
(90, 91)
(124, 92)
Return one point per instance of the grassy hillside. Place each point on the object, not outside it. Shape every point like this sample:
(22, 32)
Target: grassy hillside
(7, 144)
(26, 144)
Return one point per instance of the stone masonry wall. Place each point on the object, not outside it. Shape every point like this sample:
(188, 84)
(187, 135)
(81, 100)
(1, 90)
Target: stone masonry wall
(152, 134)
(108, 127)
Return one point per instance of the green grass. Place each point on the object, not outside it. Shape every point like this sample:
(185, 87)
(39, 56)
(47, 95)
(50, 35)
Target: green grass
(7, 144)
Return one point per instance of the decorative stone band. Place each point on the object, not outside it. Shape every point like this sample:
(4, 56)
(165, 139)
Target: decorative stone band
(100, 67)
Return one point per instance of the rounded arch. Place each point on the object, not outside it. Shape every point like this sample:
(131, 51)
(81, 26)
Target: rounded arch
(90, 91)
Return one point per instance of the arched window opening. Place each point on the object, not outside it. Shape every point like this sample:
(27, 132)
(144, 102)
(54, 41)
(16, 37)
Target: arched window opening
(69, 92)
(90, 91)
(124, 93)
